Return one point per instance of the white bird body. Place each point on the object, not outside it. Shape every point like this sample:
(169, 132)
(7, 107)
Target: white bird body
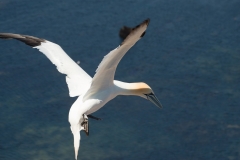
(94, 92)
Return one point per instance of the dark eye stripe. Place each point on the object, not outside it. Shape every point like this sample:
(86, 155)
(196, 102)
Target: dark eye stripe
(150, 94)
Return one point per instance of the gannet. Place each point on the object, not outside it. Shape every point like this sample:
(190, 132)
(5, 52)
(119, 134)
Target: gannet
(93, 93)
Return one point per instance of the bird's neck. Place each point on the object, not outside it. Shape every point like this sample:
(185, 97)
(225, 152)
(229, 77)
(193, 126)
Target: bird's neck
(124, 88)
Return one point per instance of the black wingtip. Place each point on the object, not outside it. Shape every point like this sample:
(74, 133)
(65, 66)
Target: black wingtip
(125, 31)
(28, 40)
(147, 21)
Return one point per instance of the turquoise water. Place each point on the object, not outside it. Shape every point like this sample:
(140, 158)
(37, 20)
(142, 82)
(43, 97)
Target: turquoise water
(189, 56)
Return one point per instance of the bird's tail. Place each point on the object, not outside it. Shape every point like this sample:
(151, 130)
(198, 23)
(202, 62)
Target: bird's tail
(76, 138)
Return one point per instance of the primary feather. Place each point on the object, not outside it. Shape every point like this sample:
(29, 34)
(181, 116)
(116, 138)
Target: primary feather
(77, 79)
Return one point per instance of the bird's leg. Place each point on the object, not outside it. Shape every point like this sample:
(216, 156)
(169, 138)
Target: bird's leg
(85, 124)
(93, 117)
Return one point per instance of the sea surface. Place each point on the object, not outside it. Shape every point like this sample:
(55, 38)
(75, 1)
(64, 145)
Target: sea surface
(190, 56)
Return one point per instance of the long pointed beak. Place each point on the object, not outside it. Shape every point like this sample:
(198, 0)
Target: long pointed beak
(151, 97)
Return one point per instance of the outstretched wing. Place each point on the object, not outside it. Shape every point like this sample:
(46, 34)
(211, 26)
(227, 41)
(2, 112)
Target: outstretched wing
(77, 79)
(106, 70)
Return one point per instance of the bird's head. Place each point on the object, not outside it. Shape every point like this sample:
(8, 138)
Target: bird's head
(143, 90)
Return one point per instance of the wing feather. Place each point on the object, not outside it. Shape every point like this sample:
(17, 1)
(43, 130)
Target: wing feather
(105, 72)
(77, 79)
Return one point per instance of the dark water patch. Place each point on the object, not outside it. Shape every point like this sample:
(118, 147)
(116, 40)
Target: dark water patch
(189, 56)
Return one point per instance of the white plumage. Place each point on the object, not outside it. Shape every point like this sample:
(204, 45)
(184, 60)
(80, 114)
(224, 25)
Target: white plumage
(93, 93)
(77, 79)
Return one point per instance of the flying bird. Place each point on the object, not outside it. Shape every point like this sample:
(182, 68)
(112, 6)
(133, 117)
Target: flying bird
(93, 92)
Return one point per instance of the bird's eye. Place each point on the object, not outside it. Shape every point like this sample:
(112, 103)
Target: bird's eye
(149, 94)
(151, 97)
